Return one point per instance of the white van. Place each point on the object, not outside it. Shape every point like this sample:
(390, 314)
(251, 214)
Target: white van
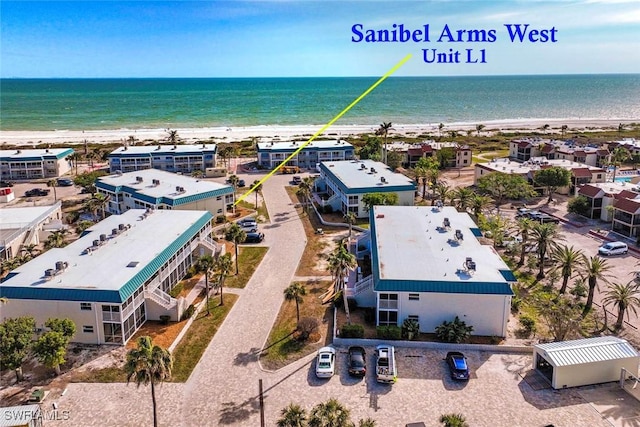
(613, 248)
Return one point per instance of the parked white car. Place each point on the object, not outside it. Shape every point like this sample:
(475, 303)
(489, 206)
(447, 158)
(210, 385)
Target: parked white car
(326, 362)
(613, 248)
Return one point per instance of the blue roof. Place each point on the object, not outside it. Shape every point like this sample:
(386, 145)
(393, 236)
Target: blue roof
(443, 287)
(170, 201)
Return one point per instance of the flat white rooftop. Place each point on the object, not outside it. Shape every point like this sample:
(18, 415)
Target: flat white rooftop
(168, 182)
(366, 175)
(587, 350)
(174, 149)
(412, 244)
(114, 263)
(513, 167)
(20, 153)
(24, 216)
(294, 145)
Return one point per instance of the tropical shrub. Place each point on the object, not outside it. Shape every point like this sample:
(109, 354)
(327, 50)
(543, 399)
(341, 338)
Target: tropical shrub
(164, 319)
(390, 332)
(453, 420)
(306, 327)
(456, 331)
(527, 325)
(176, 290)
(354, 330)
(188, 312)
(410, 329)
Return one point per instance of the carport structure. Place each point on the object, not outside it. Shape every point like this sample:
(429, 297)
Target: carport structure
(585, 361)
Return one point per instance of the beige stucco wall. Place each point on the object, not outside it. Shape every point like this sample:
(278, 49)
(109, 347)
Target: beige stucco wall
(42, 310)
(488, 314)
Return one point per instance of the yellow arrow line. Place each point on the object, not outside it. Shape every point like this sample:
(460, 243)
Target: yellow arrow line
(325, 127)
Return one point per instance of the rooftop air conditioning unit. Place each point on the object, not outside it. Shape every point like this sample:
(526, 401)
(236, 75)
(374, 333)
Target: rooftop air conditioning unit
(156, 182)
(373, 170)
(49, 273)
(139, 179)
(61, 265)
(103, 238)
(114, 231)
(362, 166)
(96, 243)
(178, 189)
(121, 227)
(383, 180)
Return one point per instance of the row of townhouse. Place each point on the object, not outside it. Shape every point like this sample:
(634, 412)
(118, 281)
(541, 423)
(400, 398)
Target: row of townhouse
(272, 154)
(342, 185)
(116, 276)
(35, 163)
(526, 149)
(580, 173)
(617, 203)
(170, 158)
(156, 189)
(461, 155)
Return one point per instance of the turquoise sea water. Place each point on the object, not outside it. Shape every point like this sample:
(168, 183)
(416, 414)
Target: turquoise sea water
(79, 104)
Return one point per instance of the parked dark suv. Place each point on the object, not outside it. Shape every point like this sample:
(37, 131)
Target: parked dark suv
(36, 192)
(254, 238)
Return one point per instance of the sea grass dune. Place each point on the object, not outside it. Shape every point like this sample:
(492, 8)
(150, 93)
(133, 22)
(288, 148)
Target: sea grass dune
(275, 132)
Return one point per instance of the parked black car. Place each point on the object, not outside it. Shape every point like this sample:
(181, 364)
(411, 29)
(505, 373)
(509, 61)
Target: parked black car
(65, 182)
(241, 183)
(254, 238)
(6, 183)
(36, 192)
(357, 361)
(457, 365)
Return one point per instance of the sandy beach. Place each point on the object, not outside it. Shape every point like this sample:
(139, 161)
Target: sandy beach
(269, 133)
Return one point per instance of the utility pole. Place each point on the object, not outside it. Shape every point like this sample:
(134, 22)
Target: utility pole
(261, 403)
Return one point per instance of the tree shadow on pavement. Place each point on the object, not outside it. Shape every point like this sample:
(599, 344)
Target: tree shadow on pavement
(233, 413)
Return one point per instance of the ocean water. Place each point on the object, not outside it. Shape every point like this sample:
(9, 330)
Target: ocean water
(91, 104)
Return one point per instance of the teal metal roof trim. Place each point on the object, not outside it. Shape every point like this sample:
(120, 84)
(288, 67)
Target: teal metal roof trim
(149, 269)
(104, 186)
(508, 275)
(51, 294)
(476, 232)
(482, 288)
(64, 154)
(194, 197)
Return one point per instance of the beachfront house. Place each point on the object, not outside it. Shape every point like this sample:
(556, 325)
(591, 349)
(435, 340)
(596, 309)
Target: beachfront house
(35, 163)
(427, 264)
(170, 158)
(626, 217)
(526, 149)
(272, 154)
(113, 278)
(342, 185)
(602, 195)
(580, 173)
(156, 189)
(459, 155)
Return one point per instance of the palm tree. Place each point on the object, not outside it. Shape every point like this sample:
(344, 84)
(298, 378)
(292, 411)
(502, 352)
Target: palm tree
(295, 292)
(256, 187)
(563, 130)
(304, 191)
(594, 269)
(567, 259)
(56, 239)
(421, 178)
(463, 197)
(524, 226)
(172, 136)
(146, 364)
(479, 202)
(206, 263)
(233, 180)
(197, 173)
(30, 251)
(545, 236)
(53, 183)
(443, 192)
(383, 131)
(350, 218)
(545, 128)
(10, 264)
(236, 235)
(367, 422)
(74, 158)
(329, 414)
(101, 201)
(440, 127)
(341, 262)
(479, 129)
(292, 416)
(618, 156)
(222, 267)
(625, 297)
(131, 140)
(432, 178)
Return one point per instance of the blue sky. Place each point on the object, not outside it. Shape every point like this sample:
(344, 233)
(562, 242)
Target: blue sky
(305, 38)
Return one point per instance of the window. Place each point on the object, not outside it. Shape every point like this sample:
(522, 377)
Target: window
(85, 306)
(389, 301)
(414, 297)
(87, 329)
(387, 318)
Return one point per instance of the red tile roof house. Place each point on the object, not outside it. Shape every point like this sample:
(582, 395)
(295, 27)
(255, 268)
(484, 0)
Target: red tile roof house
(595, 197)
(626, 217)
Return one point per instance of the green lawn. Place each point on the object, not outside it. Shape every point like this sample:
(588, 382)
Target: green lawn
(249, 203)
(486, 157)
(188, 353)
(249, 259)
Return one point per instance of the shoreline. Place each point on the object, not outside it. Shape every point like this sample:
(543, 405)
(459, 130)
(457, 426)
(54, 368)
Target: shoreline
(274, 132)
